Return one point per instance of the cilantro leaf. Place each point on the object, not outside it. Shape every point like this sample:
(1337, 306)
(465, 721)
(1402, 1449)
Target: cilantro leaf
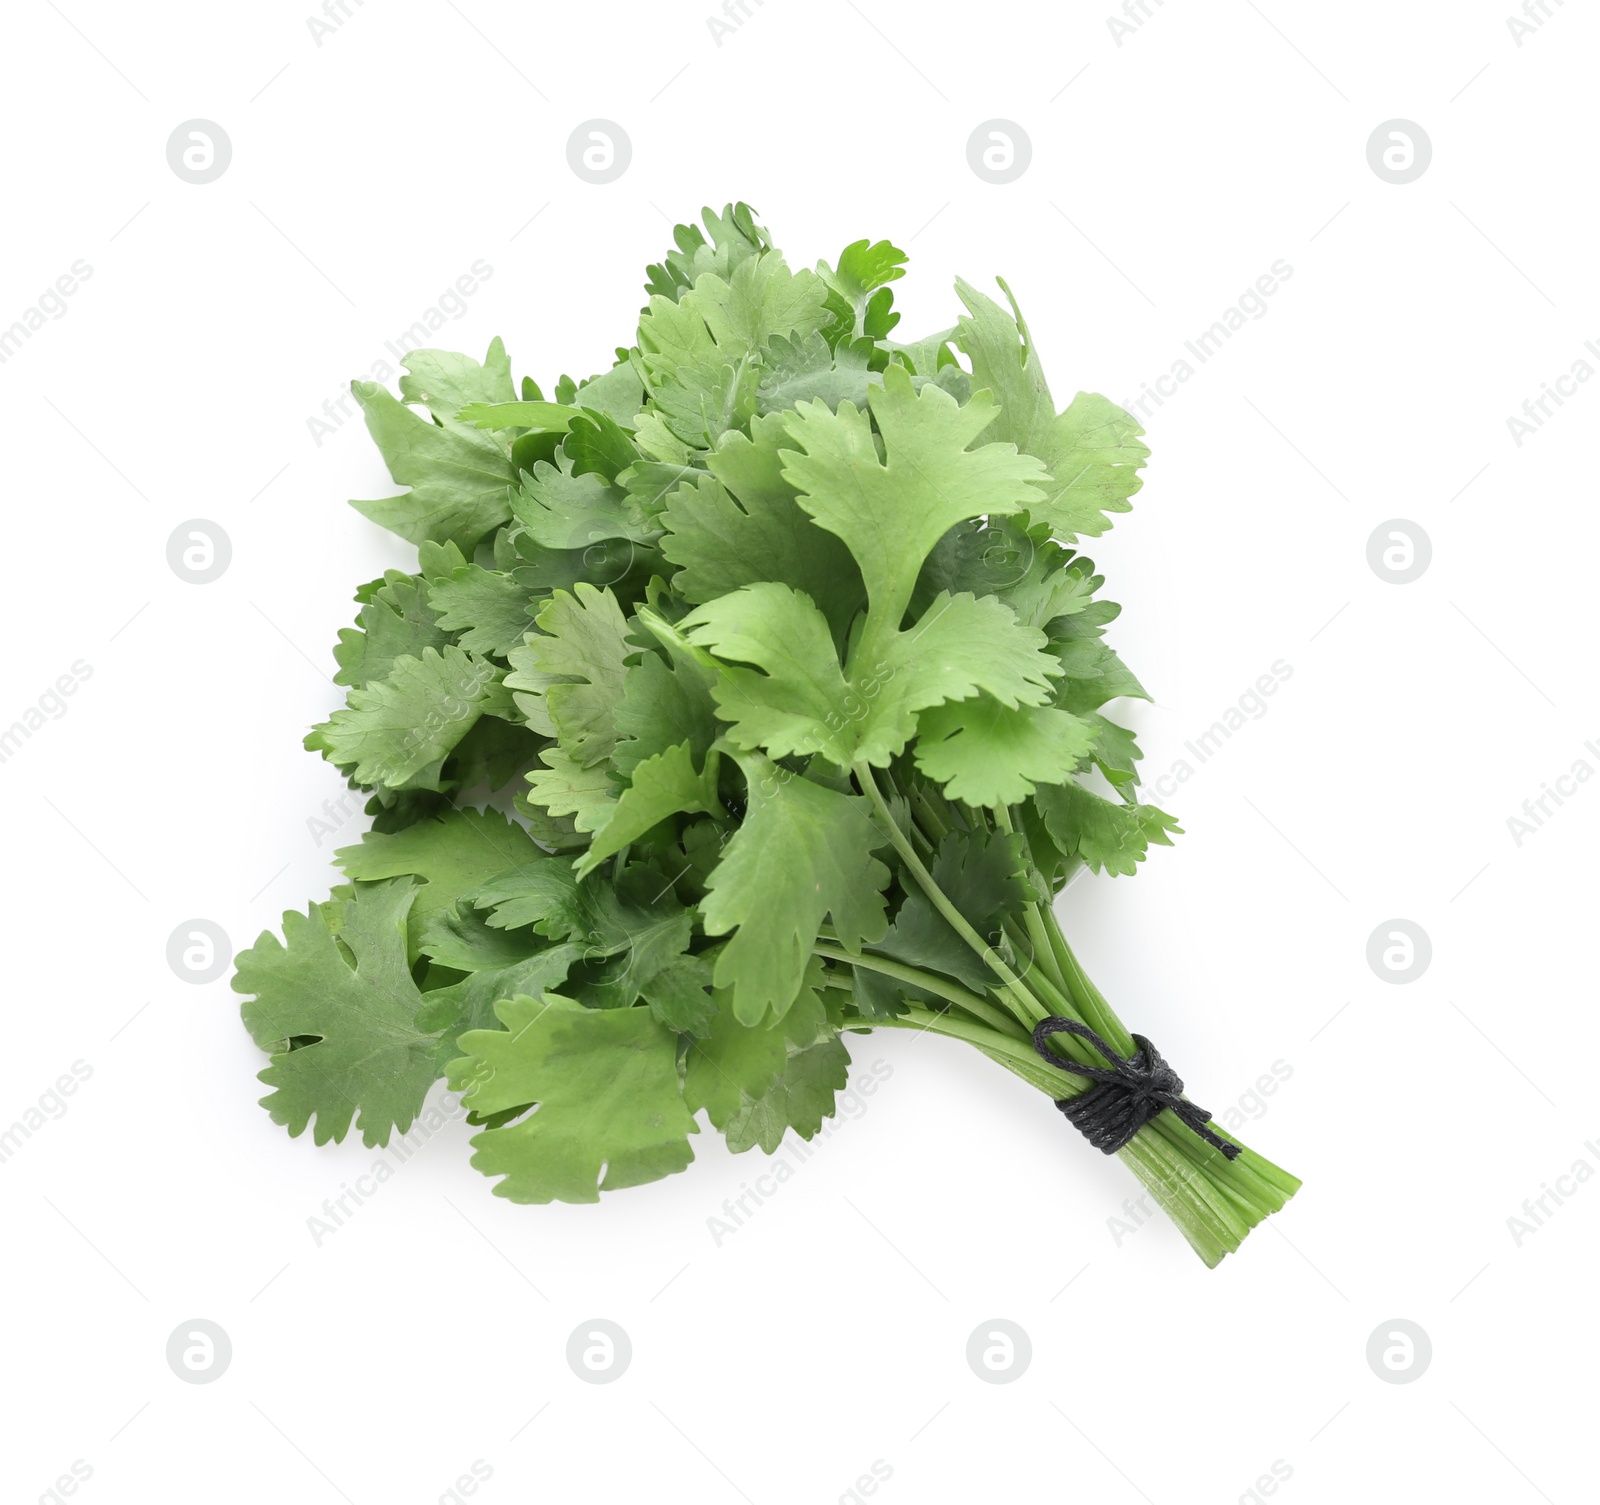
(987, 753)
(802, 369)
(735, 1066)
(563, 509)
(609, 1109)
(497, 963)
(679, 994)
(704, 399)
(742, 524)
(981, 873)
(449, 854)
(339, 1017)
(800, 701)
(661, 706)
(565, 786)
(1106, 834)
(488, 609)
(890, 513)
(631, 930)
(662, 786)
(575, 666)
(858, 287)
(445, 382)
(396, 621)
(1092, 449)
(735, 237)
(803, 852)
(801, 1097)
(399, 729)
(460, 479)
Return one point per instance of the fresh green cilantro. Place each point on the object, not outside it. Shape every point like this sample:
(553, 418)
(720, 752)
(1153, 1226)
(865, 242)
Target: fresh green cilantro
(775, 640)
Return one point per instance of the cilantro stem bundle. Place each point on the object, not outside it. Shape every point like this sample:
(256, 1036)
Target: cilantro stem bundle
(746, 695)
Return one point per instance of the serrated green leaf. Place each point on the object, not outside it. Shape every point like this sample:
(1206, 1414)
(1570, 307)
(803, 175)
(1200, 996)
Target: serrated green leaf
(679, 995)
(986, 753)
(450, 854)
(1092, 450)
(1106, 834)
(610, 1112)
(444, 382)
(460, 479)
(488, 609)
(981, 873)
(661, 706)
(402, 726)
(801, 702)
(661, 786)
(395, 622)
(801, 1097)
(559, 509)
(742, 524)
(802, 853)
(891, 512)
(575, 666)
(369, 1061)
(566, 787)
(799, 370)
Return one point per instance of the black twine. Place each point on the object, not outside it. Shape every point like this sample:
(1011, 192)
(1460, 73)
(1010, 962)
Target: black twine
(1126, 1095)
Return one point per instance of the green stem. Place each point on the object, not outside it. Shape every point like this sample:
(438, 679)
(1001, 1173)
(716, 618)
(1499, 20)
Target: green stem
(1091, 1005)
(997, 1041)
(928, 981)
(1027, 1008)
(1213, 1200)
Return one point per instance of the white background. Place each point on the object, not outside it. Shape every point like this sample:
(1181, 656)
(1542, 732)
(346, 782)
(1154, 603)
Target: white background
(828, 1332)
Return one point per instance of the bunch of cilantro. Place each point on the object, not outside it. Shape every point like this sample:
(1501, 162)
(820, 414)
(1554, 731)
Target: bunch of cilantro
(746, 695)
